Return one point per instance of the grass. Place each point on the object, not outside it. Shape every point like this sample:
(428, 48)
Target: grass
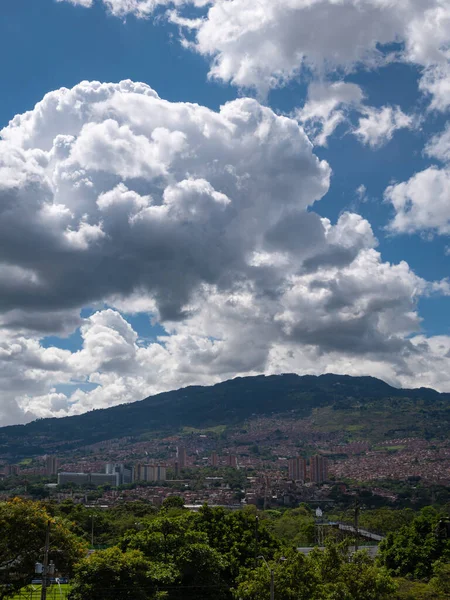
(218, 429)
(33, 592)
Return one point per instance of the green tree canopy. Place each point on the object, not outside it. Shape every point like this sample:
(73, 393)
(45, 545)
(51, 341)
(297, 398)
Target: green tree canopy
(322, 575)
(112, 574)
(23, 526)
(239, 536)
(173, 542)
(413, 549)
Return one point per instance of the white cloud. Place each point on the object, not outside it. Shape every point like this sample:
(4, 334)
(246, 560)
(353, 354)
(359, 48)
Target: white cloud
(379, 124)
(361, 193)
(265, 43)
(436, 83)
(439, 145)
(329, 104)
(202, 218)
(139, 8)
(421, 203)
(84, 3)
(124, 191)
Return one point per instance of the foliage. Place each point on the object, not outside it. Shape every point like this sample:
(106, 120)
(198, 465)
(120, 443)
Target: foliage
(173, 543)
(440, 582)
(108, 526)
(381, 520)
(293, 527)
(240, 536)
(322, 575)
(414, 548)
(436, 589)
(111, 573)
(23, 526)
(173, 502)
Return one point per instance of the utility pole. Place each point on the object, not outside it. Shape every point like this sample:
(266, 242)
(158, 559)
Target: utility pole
(92, 531)
(256, 540)
(272, 576)
(356, 523)
(45, 564)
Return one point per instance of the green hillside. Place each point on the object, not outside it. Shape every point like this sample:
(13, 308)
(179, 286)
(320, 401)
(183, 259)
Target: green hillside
(360, 404)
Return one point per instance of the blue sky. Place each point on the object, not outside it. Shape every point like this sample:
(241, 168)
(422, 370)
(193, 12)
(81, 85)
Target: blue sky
(162, 317)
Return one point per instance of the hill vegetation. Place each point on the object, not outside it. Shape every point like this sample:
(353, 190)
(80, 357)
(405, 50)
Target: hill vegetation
(364, 406)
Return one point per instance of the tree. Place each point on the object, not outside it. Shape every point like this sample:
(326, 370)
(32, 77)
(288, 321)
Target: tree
(23, 526)
(173, 542)
(293, 527)
(322, 575)
(239, 536)
(293, 578)
(112, 574)
(173, 502)
(413, 549)
(440, 582)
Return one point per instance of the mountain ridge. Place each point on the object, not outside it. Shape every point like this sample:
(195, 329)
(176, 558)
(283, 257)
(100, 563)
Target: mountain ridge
(225, 403)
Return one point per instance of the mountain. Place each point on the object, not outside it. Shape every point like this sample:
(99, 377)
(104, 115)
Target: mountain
(374, 408)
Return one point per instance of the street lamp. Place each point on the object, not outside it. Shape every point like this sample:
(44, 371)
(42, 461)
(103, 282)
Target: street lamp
(272, 578)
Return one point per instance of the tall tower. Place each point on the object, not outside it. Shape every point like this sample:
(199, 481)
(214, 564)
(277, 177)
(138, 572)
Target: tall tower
(297, 469)
(232, 461)
(318, 468)
(214, 459)
(51, 465)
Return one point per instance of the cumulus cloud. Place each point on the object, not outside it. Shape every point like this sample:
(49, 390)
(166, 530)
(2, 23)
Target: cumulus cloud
(436, 83)
(421, 203)
(265, 43)
(121, 191)
(439, 146)
(112, 195)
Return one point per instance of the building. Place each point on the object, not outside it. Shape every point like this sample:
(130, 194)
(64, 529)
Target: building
(232, 461)
(150, 473)
(161, 473)
(318, 468)
(12, 470)
(126, 474)
(214, 459)
(51, 465)
(297, 469)
(181, 457)
(96, 479)
(76, 478)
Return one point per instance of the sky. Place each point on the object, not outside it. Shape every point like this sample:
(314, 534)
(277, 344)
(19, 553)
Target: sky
(194, 190)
